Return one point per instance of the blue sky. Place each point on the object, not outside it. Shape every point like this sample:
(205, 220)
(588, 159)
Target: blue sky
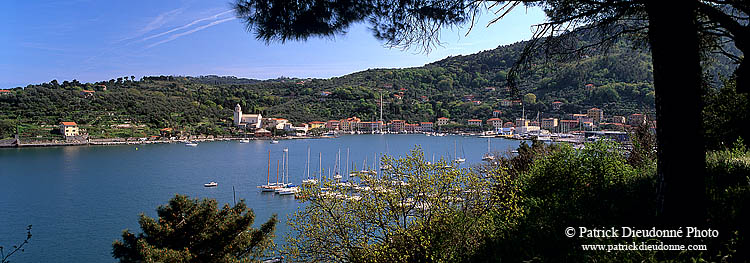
(92, 40)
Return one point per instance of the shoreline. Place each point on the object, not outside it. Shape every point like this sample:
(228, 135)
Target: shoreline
(141, 141)
(122, 141)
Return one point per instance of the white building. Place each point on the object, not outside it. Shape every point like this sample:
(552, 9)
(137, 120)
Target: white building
(246, 120)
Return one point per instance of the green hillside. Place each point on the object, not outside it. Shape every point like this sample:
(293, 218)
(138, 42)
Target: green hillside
(460, 87)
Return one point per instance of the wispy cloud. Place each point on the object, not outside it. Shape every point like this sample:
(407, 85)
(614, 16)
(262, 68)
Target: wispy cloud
(160, 20)
(213, 17)
(175, 36)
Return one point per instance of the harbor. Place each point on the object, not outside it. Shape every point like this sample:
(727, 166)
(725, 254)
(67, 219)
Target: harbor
(90, 194)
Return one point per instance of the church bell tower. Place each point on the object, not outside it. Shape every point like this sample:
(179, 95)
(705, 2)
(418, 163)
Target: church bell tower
(237, 115)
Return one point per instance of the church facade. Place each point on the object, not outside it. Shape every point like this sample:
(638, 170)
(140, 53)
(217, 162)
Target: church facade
(247, 121)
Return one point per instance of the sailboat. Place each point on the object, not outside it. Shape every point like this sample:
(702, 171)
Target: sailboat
(487, 156)
(458, 160)
(309, 180)
(269, 187)
(337, 168)
(288, 188)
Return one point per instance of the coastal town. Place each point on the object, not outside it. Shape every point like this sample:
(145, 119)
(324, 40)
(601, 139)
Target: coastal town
(574, 128)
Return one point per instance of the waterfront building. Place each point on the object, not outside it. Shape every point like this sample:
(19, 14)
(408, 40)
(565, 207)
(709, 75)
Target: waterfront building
(370, 126)
(247, 121)
(508, 125)
(475, 122)
(333, 125)
(69, 129)
(426, 126)
(398, 125)
(442, 121)
(596, 114)
(300, 128)
(411, 127)
(636, 119)
(496, 123)
(275, 123)
(260, 132)
(317, 124)
(549, 124)
(350, 124)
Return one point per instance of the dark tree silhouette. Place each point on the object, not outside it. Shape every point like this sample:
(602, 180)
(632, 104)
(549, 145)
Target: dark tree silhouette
(189, 230)
(697, 27)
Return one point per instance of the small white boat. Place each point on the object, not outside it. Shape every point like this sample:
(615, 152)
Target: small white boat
(274, 142)
(211, 184)
(245, 141)
(460, 160)
(191, 144)
(287, 190)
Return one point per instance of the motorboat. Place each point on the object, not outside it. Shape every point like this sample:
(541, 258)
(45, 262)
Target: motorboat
(245, 141)
(274, 141)
(191, 144)
(211, 184)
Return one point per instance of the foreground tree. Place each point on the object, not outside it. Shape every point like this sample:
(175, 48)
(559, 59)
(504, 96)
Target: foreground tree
(190, 230)
(677, 71)
(413, 212)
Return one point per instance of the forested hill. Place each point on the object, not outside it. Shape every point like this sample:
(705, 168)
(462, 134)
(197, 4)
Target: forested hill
(460, 87)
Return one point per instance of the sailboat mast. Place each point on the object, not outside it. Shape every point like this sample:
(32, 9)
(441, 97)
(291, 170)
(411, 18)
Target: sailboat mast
(308, 162)
(320, 165)
(269, 167)
(277, 171)
(381, 113)
(286, 165)
(282, 167)
(347, 161)
(338, 162)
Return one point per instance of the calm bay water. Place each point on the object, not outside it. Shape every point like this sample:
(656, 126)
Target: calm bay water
(79, 199)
